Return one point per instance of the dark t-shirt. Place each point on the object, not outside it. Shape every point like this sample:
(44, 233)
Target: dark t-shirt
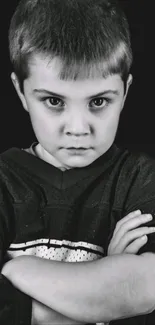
(68, 216)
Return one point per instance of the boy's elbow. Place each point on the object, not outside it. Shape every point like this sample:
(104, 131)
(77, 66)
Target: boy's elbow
(132, 292)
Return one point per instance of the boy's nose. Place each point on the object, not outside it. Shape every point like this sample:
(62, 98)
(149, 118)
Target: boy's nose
(77, 125)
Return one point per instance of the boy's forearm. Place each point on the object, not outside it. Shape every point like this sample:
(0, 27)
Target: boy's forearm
(107, 289)
(42, 314)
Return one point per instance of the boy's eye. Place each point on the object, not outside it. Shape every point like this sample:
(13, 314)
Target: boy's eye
(52, 101)
(100, 102)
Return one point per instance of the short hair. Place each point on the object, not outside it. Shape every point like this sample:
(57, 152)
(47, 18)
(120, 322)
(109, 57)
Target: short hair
(88, 36)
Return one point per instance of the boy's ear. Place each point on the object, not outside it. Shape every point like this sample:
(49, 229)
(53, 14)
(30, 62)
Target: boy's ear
(16, 84)
(128, 84)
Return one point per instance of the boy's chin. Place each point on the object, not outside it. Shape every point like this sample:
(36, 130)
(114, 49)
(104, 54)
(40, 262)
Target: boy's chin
(77, 162)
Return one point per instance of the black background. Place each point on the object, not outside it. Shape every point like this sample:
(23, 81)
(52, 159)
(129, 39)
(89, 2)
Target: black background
(136, 128)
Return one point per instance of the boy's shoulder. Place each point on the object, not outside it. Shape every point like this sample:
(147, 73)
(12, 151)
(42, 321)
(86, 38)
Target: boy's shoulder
(14, 174)
(135, 167)
(13, 158)
(136, 179)
(135, 161)
(18, 158)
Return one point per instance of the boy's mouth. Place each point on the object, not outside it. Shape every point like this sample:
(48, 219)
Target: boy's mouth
(75, 150)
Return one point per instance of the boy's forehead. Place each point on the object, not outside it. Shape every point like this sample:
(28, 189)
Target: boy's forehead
(43, 65)
(44, 73)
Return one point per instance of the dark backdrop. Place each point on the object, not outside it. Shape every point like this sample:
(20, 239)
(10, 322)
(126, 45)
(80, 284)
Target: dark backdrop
(136, 129)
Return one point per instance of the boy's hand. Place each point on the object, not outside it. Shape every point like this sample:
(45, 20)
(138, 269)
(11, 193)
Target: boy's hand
(127, 238)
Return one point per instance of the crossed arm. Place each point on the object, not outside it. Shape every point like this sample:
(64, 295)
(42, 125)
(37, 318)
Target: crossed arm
(107, 289)
(117, 286)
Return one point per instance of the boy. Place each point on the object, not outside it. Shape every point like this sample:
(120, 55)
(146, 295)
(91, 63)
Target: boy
(62, 198)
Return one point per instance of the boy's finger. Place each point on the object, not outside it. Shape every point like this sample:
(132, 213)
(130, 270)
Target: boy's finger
(127, 217)
(133, 235)
(134, 247)
(132, 224)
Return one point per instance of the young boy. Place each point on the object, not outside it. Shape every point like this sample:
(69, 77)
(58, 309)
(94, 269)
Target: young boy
(62, 198)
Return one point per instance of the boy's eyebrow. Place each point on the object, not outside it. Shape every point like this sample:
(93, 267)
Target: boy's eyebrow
(51, 93)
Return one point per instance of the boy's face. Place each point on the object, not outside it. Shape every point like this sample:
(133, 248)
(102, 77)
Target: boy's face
(69, 115)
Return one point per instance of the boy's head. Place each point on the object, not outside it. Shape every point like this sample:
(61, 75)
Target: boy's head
(75, 49)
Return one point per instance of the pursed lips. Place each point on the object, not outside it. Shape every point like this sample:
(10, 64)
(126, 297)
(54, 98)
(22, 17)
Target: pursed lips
(78, 148)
